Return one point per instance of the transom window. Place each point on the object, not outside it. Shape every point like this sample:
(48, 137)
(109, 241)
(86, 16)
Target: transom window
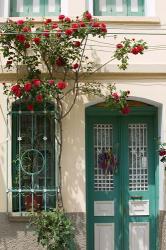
(33, 159)
(34, 7)
(118, 7)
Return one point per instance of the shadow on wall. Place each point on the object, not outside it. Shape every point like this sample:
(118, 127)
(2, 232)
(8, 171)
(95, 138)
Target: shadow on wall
(73, 159)
(16, 235)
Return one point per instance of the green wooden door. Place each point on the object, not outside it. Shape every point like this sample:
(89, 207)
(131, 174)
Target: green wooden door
(121, 206)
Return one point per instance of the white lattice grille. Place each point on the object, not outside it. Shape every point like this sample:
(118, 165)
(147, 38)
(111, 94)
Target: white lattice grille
(102, 142)
(138, 163)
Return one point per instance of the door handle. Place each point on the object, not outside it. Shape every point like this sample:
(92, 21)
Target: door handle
(136, 197)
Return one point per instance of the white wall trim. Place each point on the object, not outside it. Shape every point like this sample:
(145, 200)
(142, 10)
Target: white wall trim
(90, 6)
(5, 7)
(150, 8)
(64, 7)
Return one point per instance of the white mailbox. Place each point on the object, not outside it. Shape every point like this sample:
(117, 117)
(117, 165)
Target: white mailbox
(104, 208)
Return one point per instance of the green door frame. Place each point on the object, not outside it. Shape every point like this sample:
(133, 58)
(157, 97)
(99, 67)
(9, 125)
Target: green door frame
(95, 111)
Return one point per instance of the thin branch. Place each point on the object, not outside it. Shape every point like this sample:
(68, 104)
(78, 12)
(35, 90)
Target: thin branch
(76, 83)
(74, 100)
(91, 73)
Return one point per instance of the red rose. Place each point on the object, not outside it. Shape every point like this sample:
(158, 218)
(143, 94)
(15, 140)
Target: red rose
(60, 62)
(20, 22)
(54, 25)
(47, 21)
(26, 29)
(36, 40)
(21, 38)
(95, 25)
(69, 32)
(162, 152)
(125, 110)
(103, 30)
(119, 46)
(61, 85)
(140, 48)
(103, 27)
(75, 66)
(36, 82)
(67, 19)
(115, 97)
(82, 24)
(51, 82)
(61, 17)
(27, 86)
(75, 26)
(9, 62)
(16, 89)
(39, 98)
(135, 50)
(77, 44)
(30, 107)
(27, 45)
(87, 15)
(46, 33)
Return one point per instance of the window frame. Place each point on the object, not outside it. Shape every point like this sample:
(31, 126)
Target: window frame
(43, 6)
(19, 193)
(111, 8)
(149, 9)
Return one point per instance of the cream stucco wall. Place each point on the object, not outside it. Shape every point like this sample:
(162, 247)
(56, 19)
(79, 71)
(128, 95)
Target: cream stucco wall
(145, 78)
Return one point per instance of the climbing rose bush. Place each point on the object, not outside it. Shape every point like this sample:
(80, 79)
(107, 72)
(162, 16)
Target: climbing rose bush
(162, 152)
(127, 47)
(53, 54)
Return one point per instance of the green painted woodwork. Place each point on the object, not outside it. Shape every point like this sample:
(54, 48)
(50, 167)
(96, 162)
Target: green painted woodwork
(28, 9)
(121, 193)
(57, 8)
(140, 12)
(111, 9)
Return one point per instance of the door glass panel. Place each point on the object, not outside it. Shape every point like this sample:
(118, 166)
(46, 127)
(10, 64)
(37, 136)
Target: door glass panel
(103, 178)
(138, 164)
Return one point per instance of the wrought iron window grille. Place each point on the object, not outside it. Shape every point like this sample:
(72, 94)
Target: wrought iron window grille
(31, 159)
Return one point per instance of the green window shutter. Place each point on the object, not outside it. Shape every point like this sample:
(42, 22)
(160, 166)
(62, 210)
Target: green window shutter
(19, 8)
(101, 7)
(31, 8)
(52, 7)
(118, 7)
(135, 8)
(36, 8)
